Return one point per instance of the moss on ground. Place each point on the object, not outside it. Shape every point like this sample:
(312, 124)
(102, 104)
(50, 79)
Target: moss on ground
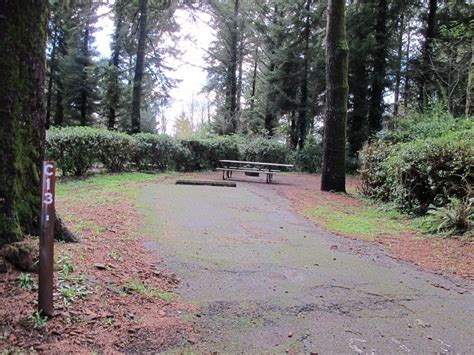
(363, 222)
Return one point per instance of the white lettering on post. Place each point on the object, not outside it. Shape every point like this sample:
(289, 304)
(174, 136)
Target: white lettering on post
(47, 168)
(48, 196)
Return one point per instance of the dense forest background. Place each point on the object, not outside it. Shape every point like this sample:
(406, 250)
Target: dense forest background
(266, 68)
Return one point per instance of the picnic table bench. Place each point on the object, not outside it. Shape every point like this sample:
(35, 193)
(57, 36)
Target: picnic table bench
(251, 168)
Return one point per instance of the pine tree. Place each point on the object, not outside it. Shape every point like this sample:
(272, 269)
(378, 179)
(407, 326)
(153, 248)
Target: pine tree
(334, 152)
(22, 127)
(78, 70)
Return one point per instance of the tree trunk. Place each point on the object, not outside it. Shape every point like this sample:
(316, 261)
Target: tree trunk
(293, 131)
(334, 152)
(359, 81)
(22, 124)
(426, 53)
(139, 67)
(85, 50)
(303, 109)
(239, 76)
(470, 86)
(376, 106)
(52, 71)
(231, 95)
(398, 73)
(59, 110)
(406, 89)
(114, 63)
(254, 81)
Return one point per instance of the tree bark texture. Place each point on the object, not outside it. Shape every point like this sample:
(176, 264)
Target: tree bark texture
(114, 63)
(52, 73)
(398, 73)
(470, 85)
(254, 81)
(139, 67)
(22, 115)
(85, 50)
(376, 106)
(358, 82)
(303, 109)
(334, 150)
(231, 85)
(426, 53)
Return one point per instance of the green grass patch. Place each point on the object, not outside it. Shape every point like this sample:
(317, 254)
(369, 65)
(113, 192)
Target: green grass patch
(136, 286)
(103, 182)
(364, 222)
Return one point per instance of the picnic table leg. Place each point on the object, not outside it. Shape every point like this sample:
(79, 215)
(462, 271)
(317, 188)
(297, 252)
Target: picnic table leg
(223, 174)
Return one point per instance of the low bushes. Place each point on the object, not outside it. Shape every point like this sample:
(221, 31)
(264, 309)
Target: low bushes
(264, 150)
(206, 152)
(159, 152)
(310, 158)
(422, 166)
(77, 149)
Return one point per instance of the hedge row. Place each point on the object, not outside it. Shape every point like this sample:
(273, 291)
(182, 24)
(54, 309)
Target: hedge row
(77, 149)
(422, 173)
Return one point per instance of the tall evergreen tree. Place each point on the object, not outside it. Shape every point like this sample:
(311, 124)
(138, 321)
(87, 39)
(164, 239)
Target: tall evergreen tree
(376, 106)
(334, 152)
(22, 124)
(424, 71)
(139, 66)
(78, 68)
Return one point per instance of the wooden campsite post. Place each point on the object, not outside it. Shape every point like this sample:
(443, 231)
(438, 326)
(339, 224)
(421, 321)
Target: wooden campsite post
(46, 253)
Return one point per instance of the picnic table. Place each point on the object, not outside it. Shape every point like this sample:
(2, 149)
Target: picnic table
(251, 168)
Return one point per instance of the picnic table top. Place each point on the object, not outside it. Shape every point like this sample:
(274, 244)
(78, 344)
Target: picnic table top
(255, 163)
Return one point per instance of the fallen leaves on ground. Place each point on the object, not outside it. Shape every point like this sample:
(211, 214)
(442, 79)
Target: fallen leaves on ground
(116, 294)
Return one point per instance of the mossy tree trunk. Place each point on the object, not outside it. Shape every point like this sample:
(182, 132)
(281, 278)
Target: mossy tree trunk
(334, 151)
(22, 115)
(470, 85)
(139, 66)
(376, 105)
(425, 70)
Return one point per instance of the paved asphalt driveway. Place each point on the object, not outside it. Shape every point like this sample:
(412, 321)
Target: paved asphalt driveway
(265, 279)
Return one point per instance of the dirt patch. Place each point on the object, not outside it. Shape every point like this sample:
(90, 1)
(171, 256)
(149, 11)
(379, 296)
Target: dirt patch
(112, 293)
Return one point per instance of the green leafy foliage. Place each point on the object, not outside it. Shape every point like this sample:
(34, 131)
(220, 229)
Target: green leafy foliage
(415, 170)
(116, 150)
(455, 218)
(25, 281)
(37, 320)
(264, 150)
(206, 152)
(309, 158)
(159, 152)
(77, 149)
(70, 286)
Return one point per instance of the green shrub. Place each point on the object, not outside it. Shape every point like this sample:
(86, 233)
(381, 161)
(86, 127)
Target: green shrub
(310, 158)
(264, 150)
(159, 152)
(115, 150)
(206, 152)
(420, 173)
(433, 124)
(456, 218)
(75, 149)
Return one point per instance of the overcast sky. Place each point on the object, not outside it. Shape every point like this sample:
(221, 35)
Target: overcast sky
(195, 36)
